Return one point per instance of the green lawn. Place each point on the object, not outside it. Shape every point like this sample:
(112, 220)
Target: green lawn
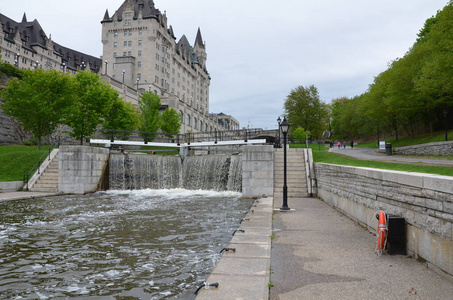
(322, 154)
(15, 161)
(408, 141)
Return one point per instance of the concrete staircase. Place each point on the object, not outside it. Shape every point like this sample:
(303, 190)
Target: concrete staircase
(296, 175)
(48, 180)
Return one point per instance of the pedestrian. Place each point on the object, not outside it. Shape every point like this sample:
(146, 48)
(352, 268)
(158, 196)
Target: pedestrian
(344, 145)
(339, 144)
(352, 144)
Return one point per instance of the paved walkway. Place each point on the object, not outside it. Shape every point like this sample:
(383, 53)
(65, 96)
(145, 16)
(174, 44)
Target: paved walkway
(23, 195)
(318, 253)
(372, 154)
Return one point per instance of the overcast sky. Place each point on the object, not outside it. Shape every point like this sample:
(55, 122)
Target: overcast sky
(259, 50)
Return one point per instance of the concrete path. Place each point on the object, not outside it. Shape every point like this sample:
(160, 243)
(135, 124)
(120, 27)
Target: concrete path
(23, 195)
(372, 154)
(319, 253)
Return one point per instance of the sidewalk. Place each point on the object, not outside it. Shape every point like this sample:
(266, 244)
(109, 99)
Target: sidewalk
(23, 195)
(372, 154)
(318, 253)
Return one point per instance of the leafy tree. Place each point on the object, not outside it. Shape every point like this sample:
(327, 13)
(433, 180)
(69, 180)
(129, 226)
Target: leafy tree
(304, 109)
(122, 116)
(171, 121)
(38, 101)
(300, 134)
(150, 118)
(94, 99)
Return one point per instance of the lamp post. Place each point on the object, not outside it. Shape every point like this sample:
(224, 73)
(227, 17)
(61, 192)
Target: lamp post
(284, 126)
(83, 65)
(124, 72)
(138, 79)
(106, 64)
(446, 129)
(16, 61)
(279, 121)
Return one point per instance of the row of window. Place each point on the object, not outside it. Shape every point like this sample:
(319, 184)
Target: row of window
(127, 44)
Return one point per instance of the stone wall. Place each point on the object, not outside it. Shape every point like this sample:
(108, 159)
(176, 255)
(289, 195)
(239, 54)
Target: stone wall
(257, 171)
(81, 168)
(424, 200)
(439, 148)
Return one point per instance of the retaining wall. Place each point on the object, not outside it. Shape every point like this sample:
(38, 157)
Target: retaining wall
(424, 200)
(439, 148)
(81, 168)
(257, 171)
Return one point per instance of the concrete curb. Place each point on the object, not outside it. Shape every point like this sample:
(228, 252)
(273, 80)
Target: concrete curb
(245, 272)
(24, 195)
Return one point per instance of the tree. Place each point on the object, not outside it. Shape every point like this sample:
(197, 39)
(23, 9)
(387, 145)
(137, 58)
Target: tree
(304, 109)
(94, 100)
(38, 101)
(122, 116)
(171, 121)
(150, 118)
(300, 134)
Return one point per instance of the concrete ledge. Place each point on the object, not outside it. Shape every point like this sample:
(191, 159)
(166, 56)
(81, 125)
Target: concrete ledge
(10, 186)
(245, 273)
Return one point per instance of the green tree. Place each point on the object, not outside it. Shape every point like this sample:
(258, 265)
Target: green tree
(304, 109)
(38, 101)
(300, 134)
(150, 118)
(94, 99)
(122, 116)
(171, 121)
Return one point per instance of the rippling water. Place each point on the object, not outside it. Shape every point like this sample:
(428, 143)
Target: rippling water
(145, 244)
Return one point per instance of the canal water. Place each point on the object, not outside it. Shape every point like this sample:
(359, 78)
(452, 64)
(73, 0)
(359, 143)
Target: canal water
(139, 244)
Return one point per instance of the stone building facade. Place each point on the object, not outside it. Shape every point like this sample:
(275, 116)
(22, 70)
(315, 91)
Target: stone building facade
(140, 50)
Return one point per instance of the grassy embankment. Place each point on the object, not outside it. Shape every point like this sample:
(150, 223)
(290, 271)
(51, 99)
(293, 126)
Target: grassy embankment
(322, 154)
(15, 161)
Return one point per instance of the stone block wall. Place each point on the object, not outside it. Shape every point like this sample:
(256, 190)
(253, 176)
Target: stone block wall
(424, 200)
(439, 148)
(257, 171)
(81, 168)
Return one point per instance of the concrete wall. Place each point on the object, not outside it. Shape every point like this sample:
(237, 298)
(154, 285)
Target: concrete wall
(10, 186)
(257, 171)
(424, 200)
(439, 148)
(81, 168)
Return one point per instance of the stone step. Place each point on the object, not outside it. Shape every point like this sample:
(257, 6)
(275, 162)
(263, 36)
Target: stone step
(50, 190)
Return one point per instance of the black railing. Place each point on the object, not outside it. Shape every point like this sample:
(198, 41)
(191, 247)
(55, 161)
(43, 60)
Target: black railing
(177, 138)
(37, 165)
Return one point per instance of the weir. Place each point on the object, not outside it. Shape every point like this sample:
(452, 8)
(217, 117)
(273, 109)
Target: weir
(206, 172)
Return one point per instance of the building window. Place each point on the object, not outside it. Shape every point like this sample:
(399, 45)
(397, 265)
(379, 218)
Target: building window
(115, 44)
(114, 66)
(115, 34)
(114, 54)
(139, 42)
(124, 53)
(125, 43)
(139, 64)
(140, 31)
(188, 120)
(129, 53)
(129, 43)
(140, 21)
(139, 76)
(139, 53)
(195, 123)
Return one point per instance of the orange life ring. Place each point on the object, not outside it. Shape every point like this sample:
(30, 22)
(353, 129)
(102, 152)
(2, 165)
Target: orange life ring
(381, 232)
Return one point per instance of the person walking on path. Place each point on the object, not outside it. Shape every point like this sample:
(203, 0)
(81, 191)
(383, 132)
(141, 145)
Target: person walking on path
(344, 145)
(352, 144)
(339, 144)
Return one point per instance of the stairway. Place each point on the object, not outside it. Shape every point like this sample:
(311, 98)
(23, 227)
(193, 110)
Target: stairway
(296, 178)
(48, 181)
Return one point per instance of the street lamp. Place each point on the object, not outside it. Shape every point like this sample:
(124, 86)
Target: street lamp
(138, 79)
(279, 121)
(446, 129)
(124, 72)
(284, 127)
(106, 64)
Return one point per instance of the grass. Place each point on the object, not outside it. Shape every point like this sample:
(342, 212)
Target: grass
(408, 141)
(15, 161)
(322, 154)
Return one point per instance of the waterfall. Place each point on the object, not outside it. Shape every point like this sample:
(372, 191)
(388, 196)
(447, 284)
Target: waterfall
(134, 172)
(205, 172)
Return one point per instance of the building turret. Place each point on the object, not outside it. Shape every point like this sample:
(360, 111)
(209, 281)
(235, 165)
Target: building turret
(200, 49)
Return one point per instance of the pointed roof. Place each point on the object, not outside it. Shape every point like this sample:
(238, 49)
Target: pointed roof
(199, 39)
(24, 18)
(106, 17)
(146, 7)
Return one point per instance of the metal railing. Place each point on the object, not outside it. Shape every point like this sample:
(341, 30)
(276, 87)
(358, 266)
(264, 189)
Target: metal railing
(177, 138)
(37, 165)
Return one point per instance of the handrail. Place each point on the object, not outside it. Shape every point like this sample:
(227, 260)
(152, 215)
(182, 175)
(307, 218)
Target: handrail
(37, 165)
